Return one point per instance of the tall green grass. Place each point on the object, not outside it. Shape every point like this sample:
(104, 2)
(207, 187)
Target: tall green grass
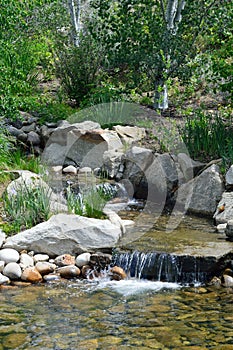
(209, 136)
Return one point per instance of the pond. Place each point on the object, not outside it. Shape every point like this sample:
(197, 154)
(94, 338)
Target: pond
(116, 315)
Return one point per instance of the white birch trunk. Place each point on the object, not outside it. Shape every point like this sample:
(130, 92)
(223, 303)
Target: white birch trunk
(75, 15)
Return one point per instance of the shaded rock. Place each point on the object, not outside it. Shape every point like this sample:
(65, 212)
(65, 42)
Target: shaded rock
(67, 233)
(224, 210)
(9, 255)
(82, 259)
(189, 167)
(29, 127)
(12, 270)
(40, 257)
(229, 230)
(201, 195)
(70, 271)
(64, 260)
(33, 138)
(112, 161)
(215, 281)
(4, 279)
(31, 274)
(100, 260)
(117, 273)
(86, 270)
(26, 260)
(70, 169)
(45, 267)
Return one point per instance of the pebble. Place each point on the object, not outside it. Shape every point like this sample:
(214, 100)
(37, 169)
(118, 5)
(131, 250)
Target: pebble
(9, 255)
(228, 281)
(26, 260)
(12, 270)
(70, 271)
(31, 274)
(70, 169)
(52, 278)
(117, 273)
(40, 257)
(83, 259)
(64, 260)
(45, 267)
(4, 279)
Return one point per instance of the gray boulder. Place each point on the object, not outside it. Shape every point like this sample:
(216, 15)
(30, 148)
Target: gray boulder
(224, 210)
(201, 195)
(189, 167)
(64, 233)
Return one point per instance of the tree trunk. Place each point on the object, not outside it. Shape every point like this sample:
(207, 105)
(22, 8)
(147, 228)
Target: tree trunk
(75, 15)
(161, 95)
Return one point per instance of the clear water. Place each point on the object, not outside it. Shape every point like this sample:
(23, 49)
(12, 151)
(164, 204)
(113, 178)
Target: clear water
(129, 314)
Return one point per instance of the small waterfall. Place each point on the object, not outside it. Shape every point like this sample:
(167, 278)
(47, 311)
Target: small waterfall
(162, 267)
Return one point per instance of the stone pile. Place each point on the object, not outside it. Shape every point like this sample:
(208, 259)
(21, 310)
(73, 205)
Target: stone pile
(27, 267)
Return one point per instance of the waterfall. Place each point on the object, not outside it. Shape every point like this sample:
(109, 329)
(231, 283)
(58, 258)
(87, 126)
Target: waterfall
(163, 267)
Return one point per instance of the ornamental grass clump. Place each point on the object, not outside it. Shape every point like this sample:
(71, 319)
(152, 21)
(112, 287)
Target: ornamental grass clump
(26, 206)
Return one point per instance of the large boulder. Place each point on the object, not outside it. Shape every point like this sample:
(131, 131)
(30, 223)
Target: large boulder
(189, 167)
(224, 211)
(130, 134)
(82, 144)
(64, 233)
(202, 194)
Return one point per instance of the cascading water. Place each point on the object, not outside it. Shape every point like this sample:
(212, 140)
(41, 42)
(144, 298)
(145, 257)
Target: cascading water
(162, 267)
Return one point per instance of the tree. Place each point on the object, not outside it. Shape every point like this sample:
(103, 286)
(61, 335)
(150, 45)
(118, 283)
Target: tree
(156, 38)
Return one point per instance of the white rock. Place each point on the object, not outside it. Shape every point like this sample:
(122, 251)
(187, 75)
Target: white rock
(221, 228)
(2, 264)
(12, 270)
(229, 176)
(224, 211)
(85, 170)
(56, 169)
(40, 257)
(9, 255)
(70, 169)
(64, 233)
(2, 237)
(26, 260)
(82, 259)
(4, 279)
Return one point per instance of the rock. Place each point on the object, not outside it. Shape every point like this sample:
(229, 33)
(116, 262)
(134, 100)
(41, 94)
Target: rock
(229, 176)
(16, 132)
(100, 260)
(116, 220)
(2, 264)
(29, 128)
(224, 211)
(52, 278)
(83, 143)
(40, 257)
(70, 271)
(4, 279)
(130, 134)
(86, 270)
(227, 281)
(117, 273)
(12, 270)
(85, 170)
(112, 161)
(66, 233)
(70, 169)
(45, 267)
(56, 169)
(82, 259)
(2, 237)
(33, 138)
(26, 260)
(9, 255)
(229, 230)
(201, 194)
(189, 167)
(221, 228)
(31, 274)
(215, 281)
(64, 260)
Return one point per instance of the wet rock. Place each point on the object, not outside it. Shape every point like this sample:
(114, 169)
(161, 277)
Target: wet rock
(4, 279)
(100, 260)
(70, 271)
(64, 260)
(52, 278)
(40, 257)
(117, 273)
(14, 340)
(9, 255)
(229, 230)
(82, 259)
(26, 260)
(20, 283)
(86, 270)
(221, 228)
(45, 267)
(12, 270)
(31, 274)
(215, 281)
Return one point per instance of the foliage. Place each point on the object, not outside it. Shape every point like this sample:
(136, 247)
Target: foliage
(208, 136)
(27, 207)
